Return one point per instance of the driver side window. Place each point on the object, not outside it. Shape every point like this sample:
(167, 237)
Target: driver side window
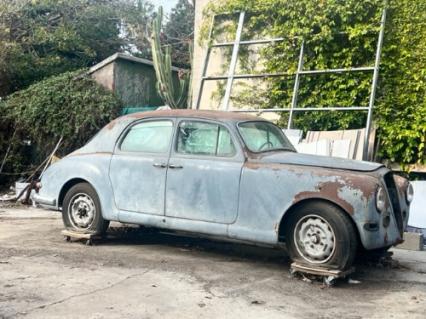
(202, 138)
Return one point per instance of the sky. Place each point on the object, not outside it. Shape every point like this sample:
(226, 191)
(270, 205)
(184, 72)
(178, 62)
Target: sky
(167, 4)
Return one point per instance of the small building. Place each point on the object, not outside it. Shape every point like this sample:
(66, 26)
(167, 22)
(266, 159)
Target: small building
(132, 79)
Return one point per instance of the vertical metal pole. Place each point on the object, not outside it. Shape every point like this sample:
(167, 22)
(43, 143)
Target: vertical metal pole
(233, 64)
(374, 86)
(296, 85)
(205, 65)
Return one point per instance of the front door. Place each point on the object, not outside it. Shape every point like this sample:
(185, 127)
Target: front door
(139, 166)
(203, 178)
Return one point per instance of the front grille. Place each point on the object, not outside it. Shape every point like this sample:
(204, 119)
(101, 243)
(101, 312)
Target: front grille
(394, 199)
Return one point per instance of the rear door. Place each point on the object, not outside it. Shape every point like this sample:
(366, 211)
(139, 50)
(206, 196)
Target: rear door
(203, 178)
(139, 165)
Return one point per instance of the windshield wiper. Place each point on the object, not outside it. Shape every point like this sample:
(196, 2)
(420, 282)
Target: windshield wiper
(279, 149)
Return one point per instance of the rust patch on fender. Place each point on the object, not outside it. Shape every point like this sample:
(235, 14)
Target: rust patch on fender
(328, 191)
(362, 185)
(366, 184)
(111, 124)
(272, 166)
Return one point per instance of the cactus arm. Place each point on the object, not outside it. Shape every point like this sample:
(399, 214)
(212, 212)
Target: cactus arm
(173, 96)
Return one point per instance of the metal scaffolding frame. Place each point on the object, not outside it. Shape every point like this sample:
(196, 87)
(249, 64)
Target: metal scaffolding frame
(300, 71)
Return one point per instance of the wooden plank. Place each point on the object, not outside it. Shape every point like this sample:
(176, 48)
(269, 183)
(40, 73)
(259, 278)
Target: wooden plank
(319, 271)
(341, 148)
(77, 235)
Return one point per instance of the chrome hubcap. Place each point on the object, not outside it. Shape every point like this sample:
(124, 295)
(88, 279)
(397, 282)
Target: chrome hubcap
(81, 210)
(314, 239)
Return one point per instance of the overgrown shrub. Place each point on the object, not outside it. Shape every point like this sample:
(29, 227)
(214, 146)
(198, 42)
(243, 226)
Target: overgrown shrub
(401, 104)
(71, 105)
(344, 34)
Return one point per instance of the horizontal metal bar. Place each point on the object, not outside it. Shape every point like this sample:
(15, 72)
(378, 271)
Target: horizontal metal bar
(302, 109)
(266, 75)
(224, 14)
(247, 42)
(245, 76)
(360, 69)
(262, 41)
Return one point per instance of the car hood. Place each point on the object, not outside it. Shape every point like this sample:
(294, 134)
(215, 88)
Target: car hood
(319, 161)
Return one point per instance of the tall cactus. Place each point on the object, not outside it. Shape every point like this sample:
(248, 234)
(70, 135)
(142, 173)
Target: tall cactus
(173, 96)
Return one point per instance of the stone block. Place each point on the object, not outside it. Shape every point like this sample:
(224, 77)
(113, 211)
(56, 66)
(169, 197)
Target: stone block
(412, 241)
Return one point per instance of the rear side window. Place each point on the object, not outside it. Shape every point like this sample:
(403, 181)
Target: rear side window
(203, 138)
(148, 137)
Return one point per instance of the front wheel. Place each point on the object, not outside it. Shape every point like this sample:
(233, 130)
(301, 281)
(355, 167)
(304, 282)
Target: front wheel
(81, 210)
(319, 234)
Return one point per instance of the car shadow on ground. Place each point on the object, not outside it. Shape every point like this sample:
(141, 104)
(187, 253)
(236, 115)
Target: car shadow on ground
(187, 242)
(367, 267)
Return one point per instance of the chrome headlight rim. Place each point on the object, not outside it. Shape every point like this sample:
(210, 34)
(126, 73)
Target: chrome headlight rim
(409, 193)
(380, 199)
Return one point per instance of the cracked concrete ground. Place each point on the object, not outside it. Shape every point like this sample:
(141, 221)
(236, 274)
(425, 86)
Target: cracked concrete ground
(152, 275)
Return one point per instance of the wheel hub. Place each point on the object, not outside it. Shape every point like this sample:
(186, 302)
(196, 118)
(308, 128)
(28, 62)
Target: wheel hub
(314, 239)
(81, 211)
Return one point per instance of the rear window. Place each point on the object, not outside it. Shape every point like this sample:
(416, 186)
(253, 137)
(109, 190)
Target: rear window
(148, 137)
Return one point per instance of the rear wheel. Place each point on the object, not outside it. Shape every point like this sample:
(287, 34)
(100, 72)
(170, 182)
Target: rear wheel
(81, 210)
(319, 234)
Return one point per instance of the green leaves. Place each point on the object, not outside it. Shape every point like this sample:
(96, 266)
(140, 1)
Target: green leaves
(179, 33)
(71, 105)
(42, 38)
(401, 105)
(344, 34)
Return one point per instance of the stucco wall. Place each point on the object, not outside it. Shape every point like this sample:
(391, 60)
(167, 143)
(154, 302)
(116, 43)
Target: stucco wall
(135, 84)
(211, 99)
(105, 76)
(199, 52)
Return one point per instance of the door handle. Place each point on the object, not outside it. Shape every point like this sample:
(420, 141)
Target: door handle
(160, 165)
(175, 166)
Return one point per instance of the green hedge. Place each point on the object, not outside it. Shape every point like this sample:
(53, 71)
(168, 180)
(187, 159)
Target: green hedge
(71, 105)
(344, 34)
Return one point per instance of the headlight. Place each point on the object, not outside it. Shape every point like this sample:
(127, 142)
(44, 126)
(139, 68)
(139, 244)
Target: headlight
(380, 199)
(410, 193)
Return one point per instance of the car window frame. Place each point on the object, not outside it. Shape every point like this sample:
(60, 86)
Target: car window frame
(118, 150)
(266, 151)
(238, 155)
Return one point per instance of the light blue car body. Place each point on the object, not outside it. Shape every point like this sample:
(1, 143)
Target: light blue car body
(245, 198)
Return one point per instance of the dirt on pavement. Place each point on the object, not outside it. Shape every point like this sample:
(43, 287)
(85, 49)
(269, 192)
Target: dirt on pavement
(145, 274)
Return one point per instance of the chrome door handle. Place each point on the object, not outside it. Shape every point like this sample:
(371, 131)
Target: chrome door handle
(160, 165)
(175, 166)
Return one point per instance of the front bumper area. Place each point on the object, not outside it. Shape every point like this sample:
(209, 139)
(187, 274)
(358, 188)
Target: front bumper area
(391, 223)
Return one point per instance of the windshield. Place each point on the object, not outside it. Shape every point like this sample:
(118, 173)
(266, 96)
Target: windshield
(263, 137)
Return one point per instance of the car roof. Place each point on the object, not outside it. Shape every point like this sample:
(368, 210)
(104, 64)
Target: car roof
(105, 140)
(205, 114)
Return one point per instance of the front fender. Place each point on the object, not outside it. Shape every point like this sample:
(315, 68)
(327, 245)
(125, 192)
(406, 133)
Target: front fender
(269, 192)
(355, 194)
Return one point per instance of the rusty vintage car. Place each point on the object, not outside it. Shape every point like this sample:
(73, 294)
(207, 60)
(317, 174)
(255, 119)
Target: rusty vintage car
(228, 176)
